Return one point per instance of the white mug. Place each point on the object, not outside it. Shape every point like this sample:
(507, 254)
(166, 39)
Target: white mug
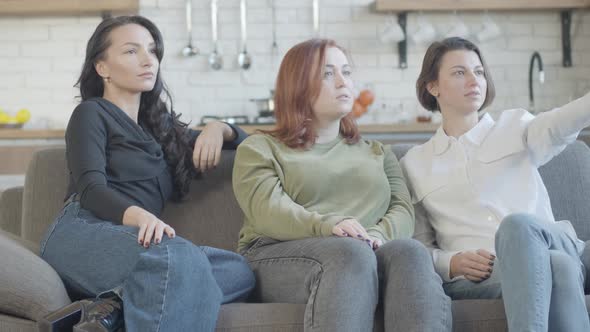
(392, 32)
(459, 29)
(425, 33)
(490, 30)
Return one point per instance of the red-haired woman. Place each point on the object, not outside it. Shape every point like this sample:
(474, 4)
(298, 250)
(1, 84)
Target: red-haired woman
(328, 215)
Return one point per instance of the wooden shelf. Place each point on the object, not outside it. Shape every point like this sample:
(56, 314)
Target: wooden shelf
(67, 7)
(479, 5)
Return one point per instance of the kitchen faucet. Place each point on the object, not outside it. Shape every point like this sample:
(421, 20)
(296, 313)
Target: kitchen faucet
(537, 56)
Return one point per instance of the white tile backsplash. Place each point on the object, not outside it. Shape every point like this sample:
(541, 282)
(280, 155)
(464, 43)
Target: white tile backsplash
(40, 57)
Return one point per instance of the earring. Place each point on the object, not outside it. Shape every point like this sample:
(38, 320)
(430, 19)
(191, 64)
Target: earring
(107, 79)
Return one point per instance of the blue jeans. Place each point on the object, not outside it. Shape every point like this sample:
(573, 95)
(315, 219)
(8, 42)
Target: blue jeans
(539, 275)
(171, 286)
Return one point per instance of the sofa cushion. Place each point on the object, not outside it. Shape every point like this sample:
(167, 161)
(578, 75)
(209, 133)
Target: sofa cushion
(29, 287)
(261, 317)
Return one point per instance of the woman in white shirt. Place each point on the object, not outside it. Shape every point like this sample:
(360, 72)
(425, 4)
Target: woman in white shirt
(478, 181)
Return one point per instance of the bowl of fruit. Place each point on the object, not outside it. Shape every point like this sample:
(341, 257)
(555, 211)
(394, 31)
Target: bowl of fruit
(14, 121)
(362, 102)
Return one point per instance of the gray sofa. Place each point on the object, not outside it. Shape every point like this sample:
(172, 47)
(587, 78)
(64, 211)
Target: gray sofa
(29, 288)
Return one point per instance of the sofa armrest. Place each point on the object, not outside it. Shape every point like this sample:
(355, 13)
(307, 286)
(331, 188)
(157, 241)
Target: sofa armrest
(29, 287)
(11, 203)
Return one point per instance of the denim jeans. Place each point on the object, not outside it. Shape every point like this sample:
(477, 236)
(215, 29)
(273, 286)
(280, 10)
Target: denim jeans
(539, 275)
(341, 281)
(171, 286)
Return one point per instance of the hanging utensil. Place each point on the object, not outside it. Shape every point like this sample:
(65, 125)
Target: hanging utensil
(215, 59)
(316, 18)
(274, 46)
(189, 50)
(244, 59)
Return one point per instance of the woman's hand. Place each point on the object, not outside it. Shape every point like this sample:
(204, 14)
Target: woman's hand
(474, 265)
(376, 242)
(207, 149)
(352, 228)
(150, 227)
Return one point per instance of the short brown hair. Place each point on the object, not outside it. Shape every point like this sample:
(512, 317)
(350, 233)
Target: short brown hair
(431, 67)
(299, 82)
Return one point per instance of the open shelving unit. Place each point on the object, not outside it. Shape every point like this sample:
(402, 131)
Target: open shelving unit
(402, 7)
(67, 7)
(477, 5)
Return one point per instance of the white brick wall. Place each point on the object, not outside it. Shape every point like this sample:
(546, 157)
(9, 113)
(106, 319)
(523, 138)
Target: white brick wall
(40, 57)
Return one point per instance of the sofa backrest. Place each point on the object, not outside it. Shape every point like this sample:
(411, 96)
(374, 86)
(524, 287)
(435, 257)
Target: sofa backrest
(568, 182)
(211, 216)
(567, 178)
(46, 183)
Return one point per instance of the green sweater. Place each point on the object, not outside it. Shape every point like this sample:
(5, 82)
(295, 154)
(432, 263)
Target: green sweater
(289, 194)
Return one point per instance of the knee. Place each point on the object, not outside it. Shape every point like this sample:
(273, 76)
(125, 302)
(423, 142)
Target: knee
(566, 270)
(243, 275)
(345, 254)
(404, 253)
(516, 228)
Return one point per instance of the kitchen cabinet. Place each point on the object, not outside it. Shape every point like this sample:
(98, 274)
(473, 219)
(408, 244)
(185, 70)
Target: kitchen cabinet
(478, 5)
(65, 7)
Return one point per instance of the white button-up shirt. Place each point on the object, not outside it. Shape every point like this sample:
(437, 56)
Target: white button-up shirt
(468, 185)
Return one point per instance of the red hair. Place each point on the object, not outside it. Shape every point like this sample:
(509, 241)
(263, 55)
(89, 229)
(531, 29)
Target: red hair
(298, 86)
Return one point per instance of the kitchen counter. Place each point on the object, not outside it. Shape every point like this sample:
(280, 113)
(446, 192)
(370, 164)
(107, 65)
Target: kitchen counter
(415, 127)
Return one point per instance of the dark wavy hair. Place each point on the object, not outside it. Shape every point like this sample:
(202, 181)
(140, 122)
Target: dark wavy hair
(154, 115)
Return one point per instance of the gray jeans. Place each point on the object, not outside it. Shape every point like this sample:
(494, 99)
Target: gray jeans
(342, 280)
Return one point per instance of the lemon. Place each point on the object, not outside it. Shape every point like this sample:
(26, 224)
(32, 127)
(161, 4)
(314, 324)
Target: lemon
(23, 115)
(4, 118)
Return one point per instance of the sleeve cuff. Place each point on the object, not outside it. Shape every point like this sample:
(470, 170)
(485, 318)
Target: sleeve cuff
(442, 264)
(377, 234)
(327, 225)
(241, 135)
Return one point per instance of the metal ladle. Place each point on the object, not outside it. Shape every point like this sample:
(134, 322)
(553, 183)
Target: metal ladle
(215, 59)
(316, 18)
(244, 59)
(189, 50)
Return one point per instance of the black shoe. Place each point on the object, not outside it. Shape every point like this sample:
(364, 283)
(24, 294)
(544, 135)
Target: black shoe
(62, 319)
(101, 315)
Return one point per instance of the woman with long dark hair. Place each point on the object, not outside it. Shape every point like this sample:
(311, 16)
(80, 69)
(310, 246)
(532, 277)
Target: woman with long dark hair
(328, 216)
(128, 153)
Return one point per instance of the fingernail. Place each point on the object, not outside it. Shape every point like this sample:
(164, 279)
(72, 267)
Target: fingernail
(140, 241)
(493, 256)
(359, 236)
(491, 263)
(157, 241)
(489, 270)
(487, 275)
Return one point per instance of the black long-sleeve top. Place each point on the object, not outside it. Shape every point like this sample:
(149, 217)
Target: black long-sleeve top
(114, 163)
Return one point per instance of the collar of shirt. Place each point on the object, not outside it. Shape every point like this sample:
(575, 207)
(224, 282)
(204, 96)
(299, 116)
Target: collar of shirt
(475, 135)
